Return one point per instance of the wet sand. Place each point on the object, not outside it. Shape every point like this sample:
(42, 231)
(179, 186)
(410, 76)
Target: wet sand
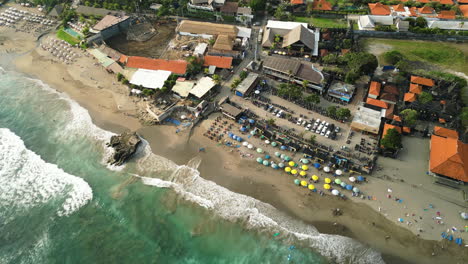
(112, 109)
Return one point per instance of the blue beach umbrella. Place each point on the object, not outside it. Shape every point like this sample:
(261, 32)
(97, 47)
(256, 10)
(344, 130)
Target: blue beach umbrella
(251, 121)
(287, 158)
(317, 165)
(349, 187)
(283, 147)
(356, 189)
(267, 157)
(274, 166)
(360, 178)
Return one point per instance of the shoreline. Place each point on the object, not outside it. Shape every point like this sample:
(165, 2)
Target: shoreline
(105, 107)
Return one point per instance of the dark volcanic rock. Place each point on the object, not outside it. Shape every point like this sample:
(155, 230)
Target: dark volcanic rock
(125, 146)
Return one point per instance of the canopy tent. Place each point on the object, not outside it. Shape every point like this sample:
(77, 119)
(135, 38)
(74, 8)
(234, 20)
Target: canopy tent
(297, 181)
(259, 160)
(343, 184)
(305, 167)
(287, 169)
(281, 165)
(303, 173)
(292, 163)
(338, 181)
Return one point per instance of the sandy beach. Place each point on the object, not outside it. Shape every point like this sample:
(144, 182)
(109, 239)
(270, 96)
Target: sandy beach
(372, 222)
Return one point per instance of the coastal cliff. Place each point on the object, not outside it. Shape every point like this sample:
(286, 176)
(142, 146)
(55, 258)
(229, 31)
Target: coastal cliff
(125, 146)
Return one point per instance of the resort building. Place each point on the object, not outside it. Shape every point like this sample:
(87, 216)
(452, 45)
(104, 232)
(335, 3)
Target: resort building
(231, 111)
(203, 87)
(149, 78)
(247, 85)
(342, 91)
(111, 23)
(367, 120)
(379, 9)
(175, 66)
(448, 157)
(293, 36)
(298, 71)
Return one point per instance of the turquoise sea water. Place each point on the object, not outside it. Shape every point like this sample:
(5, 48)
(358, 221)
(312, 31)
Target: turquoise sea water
(60, 203)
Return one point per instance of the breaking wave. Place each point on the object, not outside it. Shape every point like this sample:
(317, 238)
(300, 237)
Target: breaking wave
(27, 182)
(257, 215)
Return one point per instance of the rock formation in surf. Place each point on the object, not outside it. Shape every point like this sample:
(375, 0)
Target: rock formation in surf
(125, 146)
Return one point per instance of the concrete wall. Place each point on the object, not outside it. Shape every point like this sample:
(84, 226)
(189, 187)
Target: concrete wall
(110, 32)
(408, 36)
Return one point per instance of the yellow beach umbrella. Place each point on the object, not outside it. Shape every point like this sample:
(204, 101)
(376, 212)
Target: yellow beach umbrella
(303, 173)
(327, 180)
(305, 167)
(287, 169)
(294, 172)
(315, 177)
(304, 183)
(292, 163)
(327, 186)
(311, 187)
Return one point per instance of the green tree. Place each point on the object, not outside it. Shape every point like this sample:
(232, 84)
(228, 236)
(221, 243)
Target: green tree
(361, 62)
(347, 44)
(216, 78)
(243, 75)
(119, 77)
(195, 65)
(331, 110)
(305, 84)
(409, 116)
(343, 113)
(312, 99)
(425, 98)
(271, 121)
(258, 5)
(148, 92)
(235, 83)
(312, 139)
(421, 22)
(85, 30)
(392, 140)
(393, 57)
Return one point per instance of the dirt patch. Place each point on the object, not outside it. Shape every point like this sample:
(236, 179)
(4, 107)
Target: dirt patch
(378, 48)
(152, 48)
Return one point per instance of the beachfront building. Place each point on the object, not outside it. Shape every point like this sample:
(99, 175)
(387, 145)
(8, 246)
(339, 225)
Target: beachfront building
(293, 36)
(178, 67)
(295, 70)
(111, 23)
(183, 88)
(231, 111)
(106, 61)
(203, 88)
(149, 78)
(448, 161)
(367, 120)
(247, 85)
(342, 91)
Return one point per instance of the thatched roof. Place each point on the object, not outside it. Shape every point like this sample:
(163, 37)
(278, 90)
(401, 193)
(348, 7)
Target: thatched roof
(299, 33)
(223, 42)
(196, 27)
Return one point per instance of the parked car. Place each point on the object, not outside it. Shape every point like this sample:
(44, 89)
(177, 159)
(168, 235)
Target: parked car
(309, 127)
(327, 135)
(337, 129)
(304, 123)
(280, 114)
(323, 132)
(299, 121)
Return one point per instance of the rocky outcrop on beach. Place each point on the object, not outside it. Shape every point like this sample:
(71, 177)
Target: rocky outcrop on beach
(125, 145)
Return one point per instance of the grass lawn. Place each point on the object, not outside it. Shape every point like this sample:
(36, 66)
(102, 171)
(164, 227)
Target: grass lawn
(323, 22)
(450, 55)
(67, 37)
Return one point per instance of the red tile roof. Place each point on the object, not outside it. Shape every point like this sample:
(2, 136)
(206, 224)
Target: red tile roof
(377, 103)
(462, 1)
(442, 121)
(445, 132)
(447, 14)
(422, 81)
(218, 61)
(344, 51)
(415, 88)
(322, 5)
(123, 59)
(445, 2)
(174, 66)
(409, 97)
(413, 11)
(375, 88)
(399, 8)
(406, 129)
(464, 9)
(426, 10)
(297, 2)
(449, 157)
(379, 9)
(396, 118)
(388, 126)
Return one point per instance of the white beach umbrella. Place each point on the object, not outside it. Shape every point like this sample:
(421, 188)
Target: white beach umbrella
(335, 192)
(326, 169)
(352, 179)
(338, 172)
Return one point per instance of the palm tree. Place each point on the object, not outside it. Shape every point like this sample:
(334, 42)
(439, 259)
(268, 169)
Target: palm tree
(305, 83)
(312, 99)
(216, 79)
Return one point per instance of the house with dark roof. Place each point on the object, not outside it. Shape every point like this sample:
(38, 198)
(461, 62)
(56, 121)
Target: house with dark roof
(299, 71)
(229, 8)
(294, 36)
(389, 98)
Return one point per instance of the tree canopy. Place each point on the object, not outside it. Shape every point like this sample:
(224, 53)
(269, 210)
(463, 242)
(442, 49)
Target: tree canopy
(392, 140)
(409, 116)
(425, 98)
(393, 57)
(343, 113)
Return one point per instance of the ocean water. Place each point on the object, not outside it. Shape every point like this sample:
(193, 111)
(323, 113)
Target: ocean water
(61, 203)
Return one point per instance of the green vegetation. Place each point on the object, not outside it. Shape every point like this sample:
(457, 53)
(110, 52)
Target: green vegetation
(243, 75)
(271, 121)
(257, 5)
(409, 116)
(67, 37)
(425, 98)
(343, 113)
(393, 57)
(451, 55)
(355, 64)
(312, 99)
(392, 140)
(195, 65)
(235, 83)
(323, 22)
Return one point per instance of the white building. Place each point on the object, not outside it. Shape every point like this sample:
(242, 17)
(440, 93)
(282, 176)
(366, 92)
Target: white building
(150, 78)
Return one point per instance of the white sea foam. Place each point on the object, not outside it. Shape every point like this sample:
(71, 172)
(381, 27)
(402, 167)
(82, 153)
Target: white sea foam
(26, 181)
(257, 215)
